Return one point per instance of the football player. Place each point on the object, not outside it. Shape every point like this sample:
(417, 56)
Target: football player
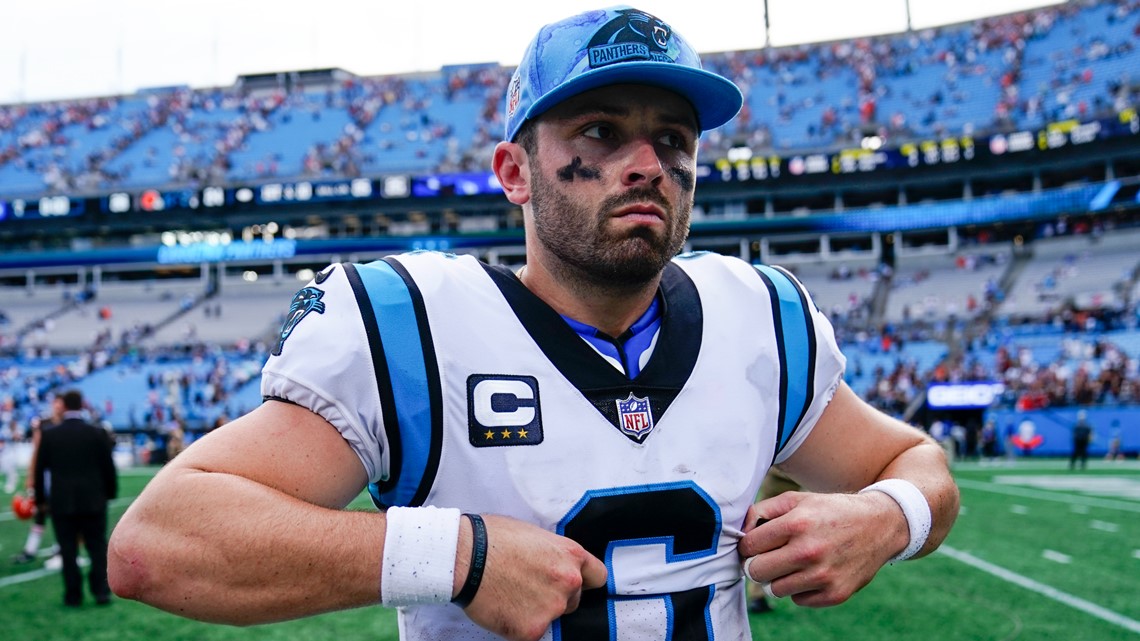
(568, 452)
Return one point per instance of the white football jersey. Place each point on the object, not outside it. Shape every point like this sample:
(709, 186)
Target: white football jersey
(458, 387)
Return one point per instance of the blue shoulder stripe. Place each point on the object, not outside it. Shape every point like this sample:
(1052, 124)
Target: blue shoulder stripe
(795, 334)
(404, 358)
(809, 325)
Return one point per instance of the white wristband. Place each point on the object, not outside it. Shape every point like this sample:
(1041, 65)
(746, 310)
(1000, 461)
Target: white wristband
(914, 507)
(419, 556)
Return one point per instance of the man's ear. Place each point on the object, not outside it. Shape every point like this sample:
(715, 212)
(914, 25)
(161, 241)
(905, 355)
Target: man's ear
(513, 171)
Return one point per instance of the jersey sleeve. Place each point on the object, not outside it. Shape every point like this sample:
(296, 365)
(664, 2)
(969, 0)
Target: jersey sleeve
(323, 362)
(812, 362)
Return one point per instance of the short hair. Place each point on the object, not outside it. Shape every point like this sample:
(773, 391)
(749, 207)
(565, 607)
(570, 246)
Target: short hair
(527, 137)
(72, 400)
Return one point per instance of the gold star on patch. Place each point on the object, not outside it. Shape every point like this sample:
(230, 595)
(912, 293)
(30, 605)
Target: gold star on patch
(489, 435)
(506, 433)
(522, 433)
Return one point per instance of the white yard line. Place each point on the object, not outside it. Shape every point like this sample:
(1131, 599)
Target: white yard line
(1047, 466)
(1104, 526)
(1056, 557)
(16, 579)
(1102, 613)
(1090, 501)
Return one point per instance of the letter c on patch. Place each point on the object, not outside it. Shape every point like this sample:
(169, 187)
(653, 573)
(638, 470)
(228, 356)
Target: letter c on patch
(486, 414)
(503, 410)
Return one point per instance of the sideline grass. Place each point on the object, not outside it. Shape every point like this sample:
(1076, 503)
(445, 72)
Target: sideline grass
(1010, 525)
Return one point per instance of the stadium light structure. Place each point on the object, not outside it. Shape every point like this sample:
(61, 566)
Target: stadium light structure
(767, 27)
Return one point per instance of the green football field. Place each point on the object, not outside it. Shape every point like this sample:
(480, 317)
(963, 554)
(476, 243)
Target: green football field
(1038, 553)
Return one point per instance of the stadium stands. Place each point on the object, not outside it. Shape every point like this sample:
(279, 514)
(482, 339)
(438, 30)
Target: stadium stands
(1081, 271)
(240, 311)
(944, 286)
(842, 289)
(152, 392)
(998, 74)
(1048, 308)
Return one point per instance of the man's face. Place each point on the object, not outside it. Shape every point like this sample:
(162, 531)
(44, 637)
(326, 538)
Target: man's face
(613, 182)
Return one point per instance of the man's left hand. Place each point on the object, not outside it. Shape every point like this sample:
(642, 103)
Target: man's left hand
(820, 549)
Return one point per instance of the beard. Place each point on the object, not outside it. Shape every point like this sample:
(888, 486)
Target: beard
(579, 238)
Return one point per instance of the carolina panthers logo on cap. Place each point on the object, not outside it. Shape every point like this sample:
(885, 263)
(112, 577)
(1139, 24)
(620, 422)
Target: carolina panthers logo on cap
(633, 35)
(305, 301)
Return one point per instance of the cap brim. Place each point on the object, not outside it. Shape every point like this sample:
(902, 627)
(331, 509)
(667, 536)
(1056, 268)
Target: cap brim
(715, 99)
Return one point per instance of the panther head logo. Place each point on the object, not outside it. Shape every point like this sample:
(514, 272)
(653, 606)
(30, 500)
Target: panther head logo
(305, 301)
(633, 26)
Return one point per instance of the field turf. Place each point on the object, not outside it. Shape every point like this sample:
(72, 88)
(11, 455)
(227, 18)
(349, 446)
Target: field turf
(1039, 552)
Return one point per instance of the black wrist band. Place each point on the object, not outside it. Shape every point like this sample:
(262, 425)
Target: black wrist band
(478, 562)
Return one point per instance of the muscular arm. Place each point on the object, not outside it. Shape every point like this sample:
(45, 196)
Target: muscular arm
(824, 547)
(245, 527)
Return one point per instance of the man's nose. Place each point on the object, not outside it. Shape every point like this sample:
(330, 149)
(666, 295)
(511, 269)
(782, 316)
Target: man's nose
(643, 165)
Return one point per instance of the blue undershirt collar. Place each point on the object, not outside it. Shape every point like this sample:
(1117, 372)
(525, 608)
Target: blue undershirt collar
(630, 350)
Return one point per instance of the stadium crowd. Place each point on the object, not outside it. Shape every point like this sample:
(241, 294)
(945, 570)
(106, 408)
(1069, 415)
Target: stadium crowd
(1087, 369)
(956, 80)
(845, 87)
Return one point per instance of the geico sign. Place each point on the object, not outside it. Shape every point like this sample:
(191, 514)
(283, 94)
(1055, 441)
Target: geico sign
(963, 395)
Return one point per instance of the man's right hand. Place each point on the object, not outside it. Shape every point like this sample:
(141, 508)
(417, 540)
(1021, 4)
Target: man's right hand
(532, 577)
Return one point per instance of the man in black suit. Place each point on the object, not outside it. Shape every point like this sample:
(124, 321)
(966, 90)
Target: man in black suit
(75, 477)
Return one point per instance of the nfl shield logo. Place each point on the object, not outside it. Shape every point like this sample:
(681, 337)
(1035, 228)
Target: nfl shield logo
(635, 417)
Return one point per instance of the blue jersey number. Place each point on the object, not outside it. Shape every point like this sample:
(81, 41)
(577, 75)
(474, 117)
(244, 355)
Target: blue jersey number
(679, 516)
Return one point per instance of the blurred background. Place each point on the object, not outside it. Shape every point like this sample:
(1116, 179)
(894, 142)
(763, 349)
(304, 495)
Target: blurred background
(961, 197)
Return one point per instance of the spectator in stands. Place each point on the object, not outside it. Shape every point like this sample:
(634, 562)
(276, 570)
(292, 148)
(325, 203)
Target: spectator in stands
(925, 69)
(175, 439)
(606, 206)
(220, 421)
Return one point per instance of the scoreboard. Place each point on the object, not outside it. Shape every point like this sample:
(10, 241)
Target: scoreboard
(924, 153)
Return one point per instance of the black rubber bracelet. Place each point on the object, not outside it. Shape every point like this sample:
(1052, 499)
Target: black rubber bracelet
(478, 562)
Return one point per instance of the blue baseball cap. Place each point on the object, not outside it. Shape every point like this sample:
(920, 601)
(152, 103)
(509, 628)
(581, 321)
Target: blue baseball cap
(611, 46)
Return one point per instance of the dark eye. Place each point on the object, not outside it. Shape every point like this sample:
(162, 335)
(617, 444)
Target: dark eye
(673, 139)
(600, 131)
